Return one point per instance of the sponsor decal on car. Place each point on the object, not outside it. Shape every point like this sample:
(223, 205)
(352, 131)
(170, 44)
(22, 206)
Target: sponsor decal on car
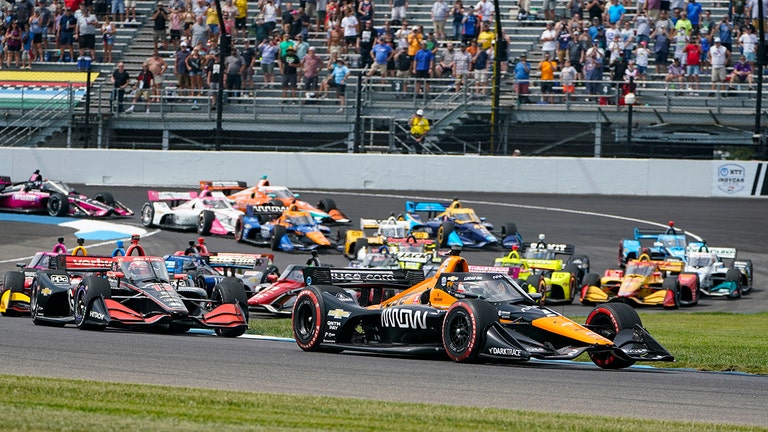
(509, 352)
(338, 313)
(62, 280)
(25, 197)
(404, 318)
(46, 291)
(97, 315)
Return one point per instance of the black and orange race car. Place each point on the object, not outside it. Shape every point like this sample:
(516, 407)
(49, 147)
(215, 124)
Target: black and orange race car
(133, 292)
(266, 194)
(466, 316)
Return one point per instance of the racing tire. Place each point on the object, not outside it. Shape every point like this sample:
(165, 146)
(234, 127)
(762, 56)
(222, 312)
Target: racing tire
(205, 222)
(308, 319)
(200, 281)
(508, 228)
(326, 205)
(90, 288)
(105, 198)
(590, 279)
(277, 234)
(734, 275)
(231, 291)
(239, 229)
(34, 307)
(580, 261)
(671, 283)
(464, 328)
(573, 286)
(147, 215)
(13, 281)
(749, 268)
(608, 320)
(538, 282)
(57, 205)
(270, 270)
(443, 232)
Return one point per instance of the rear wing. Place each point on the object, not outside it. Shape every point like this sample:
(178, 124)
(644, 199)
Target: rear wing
(226, 186)
(721, 252)
(514, 272)
(240, 260)
(558, 248)
(5, 181)
(414, 257)
(432, 208)
(265, 210)
(653, 233)
(543, 264)
(170, 195)
(81, 263)
(360, 277)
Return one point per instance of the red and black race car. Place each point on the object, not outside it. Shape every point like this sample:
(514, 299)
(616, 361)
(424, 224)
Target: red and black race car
(133, 292)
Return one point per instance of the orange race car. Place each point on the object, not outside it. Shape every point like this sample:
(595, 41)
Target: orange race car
(265, 194)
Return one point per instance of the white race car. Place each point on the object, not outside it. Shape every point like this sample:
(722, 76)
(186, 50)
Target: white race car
(212, 214)
(717, 277)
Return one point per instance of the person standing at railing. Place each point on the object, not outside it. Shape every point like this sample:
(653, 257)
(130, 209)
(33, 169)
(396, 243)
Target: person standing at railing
(593, 69)
(311, 65)
(522, 77)
(66, 34)
(719, 56)
(144, 83)
(547, 68)
(381, 53)
(423, 62)
(641, 59)
(660, 50)
(568, 78)
(158, 66)
(120, 79)
(339, 76)
(86, 33)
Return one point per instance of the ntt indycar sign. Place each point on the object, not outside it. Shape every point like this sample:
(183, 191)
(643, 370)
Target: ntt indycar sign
(740, 179)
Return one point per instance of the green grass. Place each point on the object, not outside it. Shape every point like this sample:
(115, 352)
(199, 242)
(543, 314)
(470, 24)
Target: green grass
(703, 341)
(45, 404)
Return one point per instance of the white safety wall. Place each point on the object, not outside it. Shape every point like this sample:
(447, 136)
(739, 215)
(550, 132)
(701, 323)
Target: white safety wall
(588, 176)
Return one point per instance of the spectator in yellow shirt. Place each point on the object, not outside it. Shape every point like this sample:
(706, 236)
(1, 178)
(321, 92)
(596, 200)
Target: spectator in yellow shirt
(419, 128)
(547, 67)
(485, 38)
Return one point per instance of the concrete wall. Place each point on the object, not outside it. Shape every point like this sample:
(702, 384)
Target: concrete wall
(655, 177)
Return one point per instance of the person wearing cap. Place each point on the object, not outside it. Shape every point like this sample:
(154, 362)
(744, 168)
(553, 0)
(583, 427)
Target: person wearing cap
(159, 26)
(593, 68)
(419, 126)
(522, 77)
(462, 61)
(548, 41)
(311, 65)
(748, 43)
(414, 39)
(718, 56)
(469, 26)
(66, 34)
(423, 62)
(693, 53)
(675, 73)
(180, 68)
(642, 27)
(339, 76)
(642, 54)
(381, 53)
(289, 65)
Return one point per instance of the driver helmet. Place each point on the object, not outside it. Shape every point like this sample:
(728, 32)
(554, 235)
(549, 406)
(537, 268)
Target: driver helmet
(139, 270)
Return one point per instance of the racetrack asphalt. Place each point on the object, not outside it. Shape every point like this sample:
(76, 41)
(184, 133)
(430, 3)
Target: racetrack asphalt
(595, 224)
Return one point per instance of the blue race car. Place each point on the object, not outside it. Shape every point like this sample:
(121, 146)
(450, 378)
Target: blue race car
(668, 243)
(282, 229)
(455, 225)
(206, 271)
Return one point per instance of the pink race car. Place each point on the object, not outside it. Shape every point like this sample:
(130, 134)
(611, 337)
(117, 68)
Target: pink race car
(57, 199)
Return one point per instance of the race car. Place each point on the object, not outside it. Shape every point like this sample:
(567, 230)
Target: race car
(390, 232)
(278, 297)
(464, 316)
(207, 271)
(263, 193)
(718, 272)
(15, 288)
(212, 214)
(134, 292)
(282, 229)
(455, 225)
(57, 199)
(543, 269)
(666, 243)
(644, 282)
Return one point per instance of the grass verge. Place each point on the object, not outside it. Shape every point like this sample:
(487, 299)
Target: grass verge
(703, 341)
(45, 404)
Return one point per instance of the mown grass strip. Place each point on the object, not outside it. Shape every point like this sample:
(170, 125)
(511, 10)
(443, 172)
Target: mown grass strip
(46, 404)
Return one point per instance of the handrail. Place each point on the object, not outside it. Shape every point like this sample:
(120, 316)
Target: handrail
(45, 114)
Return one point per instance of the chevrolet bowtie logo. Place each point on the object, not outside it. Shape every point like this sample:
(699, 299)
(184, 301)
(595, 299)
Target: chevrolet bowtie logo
(46, 291)
(338, 313)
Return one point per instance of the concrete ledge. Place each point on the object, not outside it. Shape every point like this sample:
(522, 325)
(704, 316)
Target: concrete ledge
(582, 176)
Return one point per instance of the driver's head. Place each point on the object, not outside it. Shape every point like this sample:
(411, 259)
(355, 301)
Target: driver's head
(139, 269)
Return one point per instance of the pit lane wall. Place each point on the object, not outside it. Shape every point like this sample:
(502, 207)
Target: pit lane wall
(587, 176)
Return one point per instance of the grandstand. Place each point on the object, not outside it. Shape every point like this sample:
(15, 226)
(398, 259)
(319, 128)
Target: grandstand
(376, 113)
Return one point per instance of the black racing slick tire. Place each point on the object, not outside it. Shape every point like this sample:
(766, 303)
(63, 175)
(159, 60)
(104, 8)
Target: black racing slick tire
(231, 291)
(734, 275)
(508, 228)
(13, 281)
(308, 319)
(464, 328)
(608, 320)
(205, 222)
(539, 284)
(672, 284)
(239, 229)
(90, 288)
(58, 205)
(105, 197)
(277, 234)
(443, 232)
(326, 205)
(147, 215)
